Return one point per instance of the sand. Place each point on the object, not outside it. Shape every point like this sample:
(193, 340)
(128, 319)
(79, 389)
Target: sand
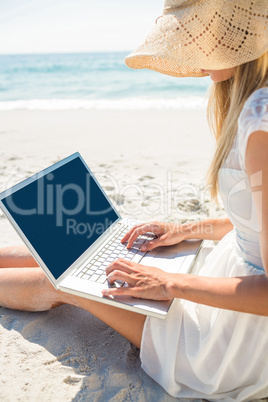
(152, 164)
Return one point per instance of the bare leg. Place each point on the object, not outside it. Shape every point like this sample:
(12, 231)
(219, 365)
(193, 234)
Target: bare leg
(127, 323)
(16, 256)
(28, 289)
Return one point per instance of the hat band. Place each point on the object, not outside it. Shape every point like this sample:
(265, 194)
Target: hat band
(186, 4)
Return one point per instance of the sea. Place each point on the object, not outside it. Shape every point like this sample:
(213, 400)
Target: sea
(92, 81)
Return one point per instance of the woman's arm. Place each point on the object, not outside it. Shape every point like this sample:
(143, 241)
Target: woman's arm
(257, 170)
(173, 233)
(209, 229)
(247, 294)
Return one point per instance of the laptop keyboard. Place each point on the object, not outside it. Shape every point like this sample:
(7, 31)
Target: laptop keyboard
(95, 267)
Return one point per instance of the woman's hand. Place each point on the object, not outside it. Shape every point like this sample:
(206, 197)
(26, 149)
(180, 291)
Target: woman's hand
(167, 234)
(143, 282)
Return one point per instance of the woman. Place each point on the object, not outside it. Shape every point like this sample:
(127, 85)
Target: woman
(214, 342)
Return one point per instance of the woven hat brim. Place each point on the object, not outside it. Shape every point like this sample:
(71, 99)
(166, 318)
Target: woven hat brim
(181, 44)
(162, 65)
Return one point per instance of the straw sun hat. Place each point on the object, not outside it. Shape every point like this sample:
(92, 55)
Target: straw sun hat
(204, 34)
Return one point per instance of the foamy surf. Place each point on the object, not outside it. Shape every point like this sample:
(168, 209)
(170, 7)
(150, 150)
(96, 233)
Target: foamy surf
(181, 103)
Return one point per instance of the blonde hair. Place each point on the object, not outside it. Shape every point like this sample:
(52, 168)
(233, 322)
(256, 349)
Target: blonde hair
(225, 104)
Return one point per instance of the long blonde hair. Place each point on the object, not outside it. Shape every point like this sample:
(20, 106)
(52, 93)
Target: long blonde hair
(225, 104)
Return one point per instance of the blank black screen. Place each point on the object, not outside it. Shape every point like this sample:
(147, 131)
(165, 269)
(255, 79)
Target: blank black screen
(62, 214)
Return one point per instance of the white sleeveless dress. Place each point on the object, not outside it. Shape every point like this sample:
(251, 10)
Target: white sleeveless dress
(206, 352)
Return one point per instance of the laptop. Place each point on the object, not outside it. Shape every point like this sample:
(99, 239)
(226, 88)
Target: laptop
(74, 231)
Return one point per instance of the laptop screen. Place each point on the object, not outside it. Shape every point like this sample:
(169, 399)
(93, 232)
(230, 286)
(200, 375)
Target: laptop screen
(62, 214)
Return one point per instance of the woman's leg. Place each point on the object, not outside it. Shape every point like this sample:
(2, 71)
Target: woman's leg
(16, 256)
(28, 289)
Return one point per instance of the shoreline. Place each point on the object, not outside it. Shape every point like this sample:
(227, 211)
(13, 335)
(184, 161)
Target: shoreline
(181, 103)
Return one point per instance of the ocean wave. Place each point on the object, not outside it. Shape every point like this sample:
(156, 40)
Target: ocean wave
(185, 103)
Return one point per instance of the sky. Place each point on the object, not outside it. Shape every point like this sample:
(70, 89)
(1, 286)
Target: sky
(53, 26)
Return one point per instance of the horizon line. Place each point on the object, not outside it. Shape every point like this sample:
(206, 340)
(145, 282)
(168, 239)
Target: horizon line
(62, 52)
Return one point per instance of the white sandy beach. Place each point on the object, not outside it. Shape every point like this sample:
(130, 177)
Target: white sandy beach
(153, 165)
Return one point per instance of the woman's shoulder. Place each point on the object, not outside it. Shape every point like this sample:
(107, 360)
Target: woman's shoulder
(254, 117)
(256, 105)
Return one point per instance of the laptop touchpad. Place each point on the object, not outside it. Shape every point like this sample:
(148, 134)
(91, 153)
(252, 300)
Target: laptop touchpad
(177, 258)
